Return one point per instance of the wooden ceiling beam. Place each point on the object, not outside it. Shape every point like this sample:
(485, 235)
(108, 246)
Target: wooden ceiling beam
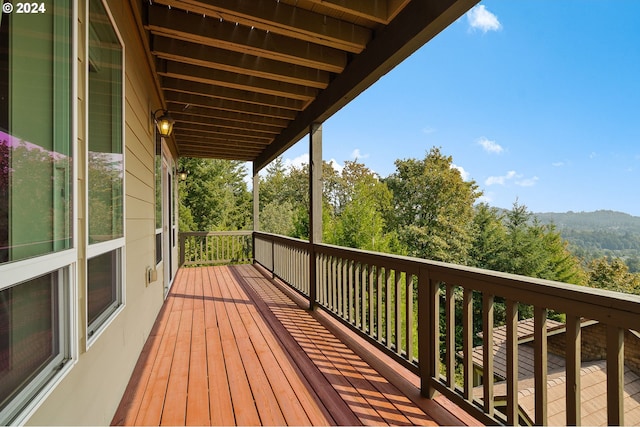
(234, 62)
(203, 90)
(283, 19)
(239, 38)
(417, 23)
(215, 131)
(191, 143)
(208, 154)
(208, 102)
(235, 81)
(234, 106)
(223, 123)
(372, 10)
(250, 119)
(204, 137)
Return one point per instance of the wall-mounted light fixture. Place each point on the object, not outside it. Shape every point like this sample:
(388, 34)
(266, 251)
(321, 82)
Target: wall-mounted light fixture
(182, 174)
(164, 122)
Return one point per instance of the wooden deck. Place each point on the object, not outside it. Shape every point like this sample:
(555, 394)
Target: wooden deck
(230, 347)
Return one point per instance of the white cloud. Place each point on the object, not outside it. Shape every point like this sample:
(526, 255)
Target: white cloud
(480, 18)
(528, 182)
(297, 161)
(490, 146)
(463, 173)
(356, 154)
(517, 178)
(557, 164)
(336, 166)
(428, 130)
(593, 155)
(485, 198)
(501, 180)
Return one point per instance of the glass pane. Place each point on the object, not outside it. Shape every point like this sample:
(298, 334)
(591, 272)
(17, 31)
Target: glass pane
(158, 182)
(106, 160)
(103, 276)
(29, 332)
(35, 133)
(158, 247)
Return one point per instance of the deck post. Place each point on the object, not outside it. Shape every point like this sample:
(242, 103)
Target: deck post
(315, 205)
(256, 209)
(427, 352)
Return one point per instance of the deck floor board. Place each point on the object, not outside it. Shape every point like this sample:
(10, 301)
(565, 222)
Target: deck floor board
(229, 347)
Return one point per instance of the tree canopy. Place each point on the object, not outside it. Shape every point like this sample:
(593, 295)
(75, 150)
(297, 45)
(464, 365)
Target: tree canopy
(424, 209)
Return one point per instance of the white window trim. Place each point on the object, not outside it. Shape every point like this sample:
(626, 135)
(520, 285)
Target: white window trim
(13, 273)
(23, 270)
(63, 363)
(107, 318)
(96, 249)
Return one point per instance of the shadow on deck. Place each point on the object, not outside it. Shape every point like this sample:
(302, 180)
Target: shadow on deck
(232, 347)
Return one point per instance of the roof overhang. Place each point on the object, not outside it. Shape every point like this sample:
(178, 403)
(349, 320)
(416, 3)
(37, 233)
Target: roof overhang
(245, 80)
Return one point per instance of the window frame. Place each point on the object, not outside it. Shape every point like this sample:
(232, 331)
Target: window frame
(158, 187)
(43, 383)
(13, 273)
(93, 331)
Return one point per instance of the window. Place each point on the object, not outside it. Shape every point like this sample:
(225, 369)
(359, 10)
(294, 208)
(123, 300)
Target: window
(36, 204)
(35, 135)
(105, 168)
(158, 165)
(32, 338)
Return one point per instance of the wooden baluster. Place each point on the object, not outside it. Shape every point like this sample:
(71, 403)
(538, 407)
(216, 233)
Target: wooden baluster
(573, 362)
(379, 273)
(512, 361)
(398, 312)
(351, 291)
(409, 324)
(467, 343)
(615, 376)
(345, 288)
(540, 364)
(450, 335)
(487, 353)
(370, 319)
(387, 307)
(363, 296)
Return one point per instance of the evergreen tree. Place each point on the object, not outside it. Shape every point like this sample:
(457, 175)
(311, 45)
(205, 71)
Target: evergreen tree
(215, 195)
(361, 203)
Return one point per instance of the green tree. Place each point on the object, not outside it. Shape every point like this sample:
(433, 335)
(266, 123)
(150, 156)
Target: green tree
(433, 208)
(489, 247)
(359, 208)
(537, 250)
(215, 195)
(612, 274)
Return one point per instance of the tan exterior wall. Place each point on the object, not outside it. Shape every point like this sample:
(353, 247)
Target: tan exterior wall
(91, 392)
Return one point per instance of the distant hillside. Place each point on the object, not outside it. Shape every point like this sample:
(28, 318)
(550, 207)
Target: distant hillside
(592, 221)
(599, 233)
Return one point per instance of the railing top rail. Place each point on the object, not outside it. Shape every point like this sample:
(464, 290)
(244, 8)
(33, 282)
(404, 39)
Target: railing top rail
(611, 307)
(216, 233)
(299, 243)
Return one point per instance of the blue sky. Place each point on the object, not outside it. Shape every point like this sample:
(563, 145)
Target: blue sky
(537, 100)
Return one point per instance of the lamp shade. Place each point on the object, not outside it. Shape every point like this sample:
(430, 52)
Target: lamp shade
(164, 123)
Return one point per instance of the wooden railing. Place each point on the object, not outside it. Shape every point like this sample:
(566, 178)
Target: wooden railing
(215, 247)
(407, 307)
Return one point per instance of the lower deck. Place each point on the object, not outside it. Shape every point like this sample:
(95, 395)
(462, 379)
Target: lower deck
(233, 347)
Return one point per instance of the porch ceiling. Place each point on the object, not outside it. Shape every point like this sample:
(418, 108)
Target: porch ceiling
(244, 79)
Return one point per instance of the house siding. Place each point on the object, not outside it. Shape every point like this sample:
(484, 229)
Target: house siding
(91, 392)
